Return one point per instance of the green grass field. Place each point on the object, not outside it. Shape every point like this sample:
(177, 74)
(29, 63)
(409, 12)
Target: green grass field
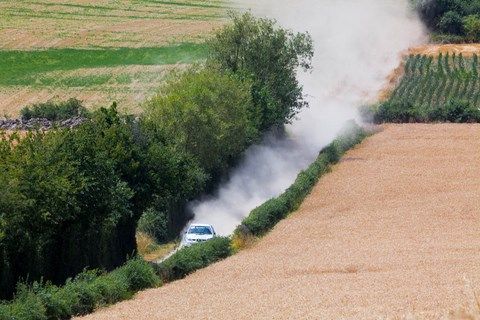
(37, 68)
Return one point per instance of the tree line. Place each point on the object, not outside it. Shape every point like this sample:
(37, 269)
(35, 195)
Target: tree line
(72, 198)
(451, 20)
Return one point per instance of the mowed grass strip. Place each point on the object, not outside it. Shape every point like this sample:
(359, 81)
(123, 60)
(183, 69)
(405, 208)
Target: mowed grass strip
(25, 67)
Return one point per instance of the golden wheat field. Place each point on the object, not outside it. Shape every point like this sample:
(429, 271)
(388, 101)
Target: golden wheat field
(390, 233)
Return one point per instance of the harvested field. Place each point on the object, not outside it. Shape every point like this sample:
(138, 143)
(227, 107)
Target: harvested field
(104, 23)
(97, 51)
(467, 50)
(392, 232)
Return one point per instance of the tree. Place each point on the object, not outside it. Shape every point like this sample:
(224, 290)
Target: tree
(472, 27)
(268, 56)
(207, 113)
(451, 22)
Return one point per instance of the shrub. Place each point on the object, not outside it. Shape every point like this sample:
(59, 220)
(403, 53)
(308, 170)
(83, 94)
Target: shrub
(472, 27)
(197, 256)
(26, 306)
(81, 295)
(205, 112)
(451, 22)
(55, 111)
(154, 224)
(456, 111)
(264, 217)
(137, 274)
(399, 112)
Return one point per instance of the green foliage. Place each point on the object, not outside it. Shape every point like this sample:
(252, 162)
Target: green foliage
(266, 216)
(472, 27)
(398, 112)
(445, 89)
(451, 20)
(205, 112)
(55, 111)
(457, 112)
(72, 198)
(155, 224)
(197, 256)
(81, 295)
(268, 56)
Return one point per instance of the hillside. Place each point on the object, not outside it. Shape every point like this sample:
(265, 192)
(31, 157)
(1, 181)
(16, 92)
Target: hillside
(391, 232)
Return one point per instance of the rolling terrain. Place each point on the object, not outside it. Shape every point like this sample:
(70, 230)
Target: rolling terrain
(97, 51)
(391, 232)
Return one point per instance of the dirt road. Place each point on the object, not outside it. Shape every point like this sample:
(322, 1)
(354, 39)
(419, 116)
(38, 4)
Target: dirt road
(393, 232)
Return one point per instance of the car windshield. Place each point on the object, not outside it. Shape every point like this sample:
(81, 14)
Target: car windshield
(200, 230)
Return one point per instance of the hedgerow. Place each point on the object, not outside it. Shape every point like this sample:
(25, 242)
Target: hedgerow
(79, 296)
(197, 256)
(264, 217)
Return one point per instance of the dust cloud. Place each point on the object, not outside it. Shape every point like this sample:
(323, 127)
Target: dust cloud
(357, 44)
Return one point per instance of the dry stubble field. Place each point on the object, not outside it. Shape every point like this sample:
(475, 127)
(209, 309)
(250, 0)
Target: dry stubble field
(390, 233)
(42, 44)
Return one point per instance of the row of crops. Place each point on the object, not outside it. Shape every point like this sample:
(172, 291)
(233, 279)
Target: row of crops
(430, 82)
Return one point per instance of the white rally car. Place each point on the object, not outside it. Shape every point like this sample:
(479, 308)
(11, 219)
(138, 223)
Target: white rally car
(198, 233)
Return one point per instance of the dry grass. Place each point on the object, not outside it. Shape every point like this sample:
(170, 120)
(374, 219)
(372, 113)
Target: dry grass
(42, 24)
(143, 82)
(391, 234)
(150, 250)
(467, 50)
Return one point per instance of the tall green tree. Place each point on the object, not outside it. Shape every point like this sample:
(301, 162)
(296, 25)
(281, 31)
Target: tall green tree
(268, 56)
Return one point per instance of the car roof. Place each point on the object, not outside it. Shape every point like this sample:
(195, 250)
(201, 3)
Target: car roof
(200, 225)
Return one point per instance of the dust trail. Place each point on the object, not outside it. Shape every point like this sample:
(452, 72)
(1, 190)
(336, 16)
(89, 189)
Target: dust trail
(357, 44)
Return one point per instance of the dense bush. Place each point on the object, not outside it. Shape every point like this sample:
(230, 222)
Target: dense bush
(154, 224)
(456, 111)
(79, 296)
(55, 111)
(197, 256)
(263, 218)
